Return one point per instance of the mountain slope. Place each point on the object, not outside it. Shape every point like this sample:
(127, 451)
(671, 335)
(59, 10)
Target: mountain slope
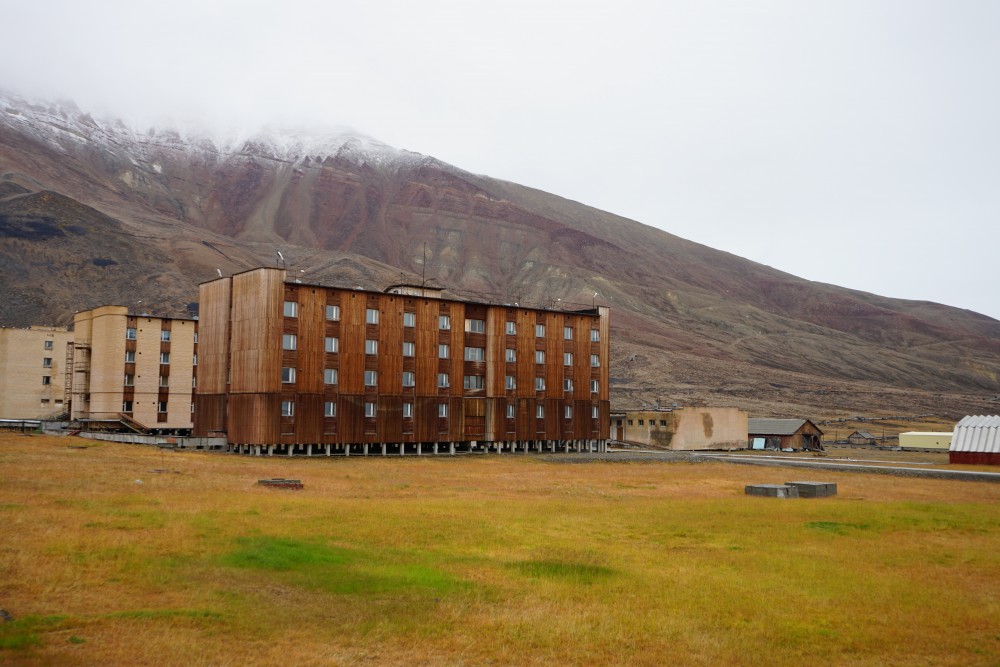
(345, 208)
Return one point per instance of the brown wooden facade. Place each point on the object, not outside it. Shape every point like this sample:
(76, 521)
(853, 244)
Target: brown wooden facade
(347, 367)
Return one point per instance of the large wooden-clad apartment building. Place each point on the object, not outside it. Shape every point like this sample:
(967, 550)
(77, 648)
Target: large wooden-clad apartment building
(128, 367)
(293, 368)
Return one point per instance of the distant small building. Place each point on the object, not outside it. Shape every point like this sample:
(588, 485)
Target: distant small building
(976, 440)
(861, 438)
(682, 428)
(925, 440)
(799, 434)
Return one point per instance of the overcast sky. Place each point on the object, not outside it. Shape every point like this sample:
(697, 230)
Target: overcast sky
(853, 142)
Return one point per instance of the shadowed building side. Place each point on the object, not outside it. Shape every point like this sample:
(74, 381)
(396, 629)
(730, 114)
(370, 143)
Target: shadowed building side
(683, 428)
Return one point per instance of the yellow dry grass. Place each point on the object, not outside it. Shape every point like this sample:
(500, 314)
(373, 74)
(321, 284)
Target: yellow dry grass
(480, 561)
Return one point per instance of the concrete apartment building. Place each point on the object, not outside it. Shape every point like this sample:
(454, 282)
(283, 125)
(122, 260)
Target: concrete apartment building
(692, 428)
(132, 368)
(292, 368)
(33, 371)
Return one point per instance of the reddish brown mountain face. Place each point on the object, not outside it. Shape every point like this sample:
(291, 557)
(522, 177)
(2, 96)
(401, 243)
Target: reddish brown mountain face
(94, 213)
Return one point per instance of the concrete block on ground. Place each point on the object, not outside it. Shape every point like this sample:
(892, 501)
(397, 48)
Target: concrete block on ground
(814, 489)
(771, 490)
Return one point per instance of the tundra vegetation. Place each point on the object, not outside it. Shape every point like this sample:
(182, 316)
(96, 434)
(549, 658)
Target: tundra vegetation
(482, 560)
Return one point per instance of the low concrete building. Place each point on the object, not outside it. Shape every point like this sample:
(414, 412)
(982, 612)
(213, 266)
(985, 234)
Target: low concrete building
(33, 371)
(800, 434)
(925, 440)
(682, 428)
(976, 440)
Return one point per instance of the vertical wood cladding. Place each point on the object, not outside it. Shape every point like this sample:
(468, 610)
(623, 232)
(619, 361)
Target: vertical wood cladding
(371, 367)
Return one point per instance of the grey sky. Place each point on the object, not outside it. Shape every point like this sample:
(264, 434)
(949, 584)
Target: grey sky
(849, 142)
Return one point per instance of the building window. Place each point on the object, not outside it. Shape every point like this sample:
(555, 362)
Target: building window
(663, 422)
(475, 326)
(129, 380)
(629, 422)
(595, 361)
(165, 336)
(194, 360)
(48, 345)
(509, 382)
(540, 411)
(409, 349)
(371, 378)
(288, 341)
(409, 379)
(567, 358)
(369, 409)
(510, 355)
(594, 386)
(443, 351)
(371, 346)
(539, 384)
(164, 357)
(444, 322)
(595, 413)
(195, 337)
(291, 309)
(288, 408)
(473, 382)
(510, 411)
(46, 379)
(330, 409)
(130, 333)
(333, 313)
(642, 422)
(539, 331)
(568, 412)
(442, 409)
(164, 380)
(161, 407)
(126, 406)
(194, 381)
(371, 316)
(511, 328)
(475, 353)
(287, 375)
(330, 376)
(409, 319)
(595, 336)
(443, 380)
(539, 357)
(332, 344)
(47, 362)
(129, 356)
(407, 410)
(568, 333)
(568, 384)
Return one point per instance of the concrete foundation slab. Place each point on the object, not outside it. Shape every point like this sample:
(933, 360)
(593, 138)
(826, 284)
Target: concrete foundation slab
(771, 490)
(814, 489)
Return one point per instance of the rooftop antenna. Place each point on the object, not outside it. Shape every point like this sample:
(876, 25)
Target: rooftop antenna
(281, 258)
(219, 271)
(595, 299)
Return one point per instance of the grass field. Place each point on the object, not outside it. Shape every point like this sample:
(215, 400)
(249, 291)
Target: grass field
(482, 561)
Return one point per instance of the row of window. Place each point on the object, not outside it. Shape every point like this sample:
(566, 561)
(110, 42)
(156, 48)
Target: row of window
(161, 407)
(131, 332)
(331, 376)
(330, 410)
(164, 380)
(291, 309)
(332, 344)
(164, 358)
(642, 422)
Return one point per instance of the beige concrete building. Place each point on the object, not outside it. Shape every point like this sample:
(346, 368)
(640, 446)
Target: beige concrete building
(33, 372)
(925, 440)
(133, 367)
(682, 428)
